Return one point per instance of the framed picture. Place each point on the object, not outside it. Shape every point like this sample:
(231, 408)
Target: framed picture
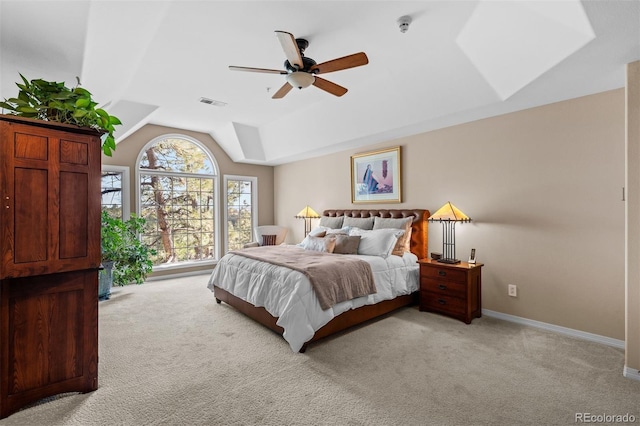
(375, 177)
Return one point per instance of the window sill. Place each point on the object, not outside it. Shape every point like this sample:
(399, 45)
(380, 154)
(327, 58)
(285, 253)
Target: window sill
(184, 265)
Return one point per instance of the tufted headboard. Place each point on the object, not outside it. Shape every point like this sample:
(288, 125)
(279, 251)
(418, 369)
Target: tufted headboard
(419, 228)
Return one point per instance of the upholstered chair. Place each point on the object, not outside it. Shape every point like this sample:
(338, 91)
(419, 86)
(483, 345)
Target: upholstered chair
(268, 235)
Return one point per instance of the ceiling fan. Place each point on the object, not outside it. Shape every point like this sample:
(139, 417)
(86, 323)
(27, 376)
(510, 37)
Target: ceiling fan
(302, 71)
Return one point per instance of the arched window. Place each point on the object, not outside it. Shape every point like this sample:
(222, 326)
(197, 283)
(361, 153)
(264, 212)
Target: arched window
(178, 181)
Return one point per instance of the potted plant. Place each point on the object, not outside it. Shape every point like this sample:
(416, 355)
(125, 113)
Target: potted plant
(53, 101)
(125, 258)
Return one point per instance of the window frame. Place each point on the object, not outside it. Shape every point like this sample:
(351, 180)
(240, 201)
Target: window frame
(217, 194)
(126, 187)
(254, 205)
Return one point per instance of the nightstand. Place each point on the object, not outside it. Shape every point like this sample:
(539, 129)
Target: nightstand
(454, 290)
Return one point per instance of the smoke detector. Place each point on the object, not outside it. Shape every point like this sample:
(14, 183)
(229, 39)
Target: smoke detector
(212, 102)
(403, 23)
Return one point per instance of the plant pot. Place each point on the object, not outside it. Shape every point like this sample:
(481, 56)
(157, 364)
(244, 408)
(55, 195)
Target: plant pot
(105, 280)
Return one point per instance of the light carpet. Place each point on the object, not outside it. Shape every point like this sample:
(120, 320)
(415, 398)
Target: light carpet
(169, 355)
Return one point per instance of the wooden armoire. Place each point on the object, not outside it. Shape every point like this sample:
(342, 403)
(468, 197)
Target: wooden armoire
(49, 260)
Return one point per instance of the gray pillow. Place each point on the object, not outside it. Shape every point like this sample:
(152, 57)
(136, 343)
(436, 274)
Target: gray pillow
(390, 222)
(365, 223)
(331, 222)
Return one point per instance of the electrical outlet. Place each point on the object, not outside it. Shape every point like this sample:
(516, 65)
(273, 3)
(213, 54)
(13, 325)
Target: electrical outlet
(513, 290)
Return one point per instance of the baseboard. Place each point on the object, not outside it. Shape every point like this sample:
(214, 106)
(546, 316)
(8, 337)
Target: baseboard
(178, 275)
(631, 373)
(556, 328)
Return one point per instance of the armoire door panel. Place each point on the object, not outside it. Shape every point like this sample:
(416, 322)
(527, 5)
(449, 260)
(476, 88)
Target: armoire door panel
(45, 330)
(30, 224)
(74, 205)
(72, 152)
(31, 147)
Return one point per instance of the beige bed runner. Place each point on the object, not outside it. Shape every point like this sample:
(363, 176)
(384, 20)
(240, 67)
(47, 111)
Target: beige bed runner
(334, 277)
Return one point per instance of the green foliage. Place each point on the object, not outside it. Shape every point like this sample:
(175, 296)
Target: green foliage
(239, 219)
(120, 244)
(52, 101)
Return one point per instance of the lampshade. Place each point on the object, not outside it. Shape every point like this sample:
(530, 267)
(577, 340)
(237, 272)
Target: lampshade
(448, 215)
(449, 212)
(300, 79)
(307, 213)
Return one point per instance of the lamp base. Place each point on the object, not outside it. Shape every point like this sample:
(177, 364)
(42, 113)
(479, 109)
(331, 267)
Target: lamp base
(451, 261)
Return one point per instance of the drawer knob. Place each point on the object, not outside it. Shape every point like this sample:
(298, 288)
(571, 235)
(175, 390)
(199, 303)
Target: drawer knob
(442, 286)
(442, 301)
(442, 273)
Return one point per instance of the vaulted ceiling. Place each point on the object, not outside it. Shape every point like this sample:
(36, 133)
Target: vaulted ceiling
(152, 62)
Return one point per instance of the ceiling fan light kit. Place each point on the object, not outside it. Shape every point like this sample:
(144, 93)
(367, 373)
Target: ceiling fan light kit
(300, 79)
(301, 71)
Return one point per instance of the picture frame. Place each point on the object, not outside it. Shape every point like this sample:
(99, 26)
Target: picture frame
(376, 176)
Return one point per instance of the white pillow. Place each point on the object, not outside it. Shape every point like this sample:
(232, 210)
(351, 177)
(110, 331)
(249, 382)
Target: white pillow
(377, 242)
(404, 242)
(325, 245)
(343, 230)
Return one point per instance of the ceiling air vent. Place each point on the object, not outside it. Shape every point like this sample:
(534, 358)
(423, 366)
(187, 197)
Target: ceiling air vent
(213, 102)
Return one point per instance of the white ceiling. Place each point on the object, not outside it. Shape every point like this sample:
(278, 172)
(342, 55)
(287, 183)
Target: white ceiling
(151, 62)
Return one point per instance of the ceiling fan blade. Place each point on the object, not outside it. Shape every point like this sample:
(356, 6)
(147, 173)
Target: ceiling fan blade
(346, 62)
(282, 91)
(249, 69)
(290, 47)
(327, 86)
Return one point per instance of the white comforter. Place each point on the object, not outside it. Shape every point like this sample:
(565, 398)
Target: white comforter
(287, 294)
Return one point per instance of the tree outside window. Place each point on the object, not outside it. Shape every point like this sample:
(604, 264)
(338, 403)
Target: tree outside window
(177, 180)
(241, 210)
(113, 189)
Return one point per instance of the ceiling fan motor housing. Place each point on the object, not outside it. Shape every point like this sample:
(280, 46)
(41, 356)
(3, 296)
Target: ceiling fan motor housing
(302, 45)
(307, 63)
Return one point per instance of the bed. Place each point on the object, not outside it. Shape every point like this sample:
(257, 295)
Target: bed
(299, 318)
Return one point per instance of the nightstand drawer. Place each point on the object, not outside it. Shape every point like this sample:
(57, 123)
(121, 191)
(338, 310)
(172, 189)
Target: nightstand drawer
(442, 303)
(444, 273)
(443, 287)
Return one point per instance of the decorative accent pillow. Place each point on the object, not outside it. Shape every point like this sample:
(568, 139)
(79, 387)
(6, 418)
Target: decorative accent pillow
(331, 222)
(404, 242)
(269, 240)
(377, 242)
(346, 244)
(359, 222)
(320, 231)
(318, 244)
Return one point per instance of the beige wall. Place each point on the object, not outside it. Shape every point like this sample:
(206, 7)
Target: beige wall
(544, 190)
(127, 152)
(632, 337)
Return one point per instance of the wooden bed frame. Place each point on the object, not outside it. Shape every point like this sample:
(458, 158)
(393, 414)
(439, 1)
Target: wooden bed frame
(419, 240)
